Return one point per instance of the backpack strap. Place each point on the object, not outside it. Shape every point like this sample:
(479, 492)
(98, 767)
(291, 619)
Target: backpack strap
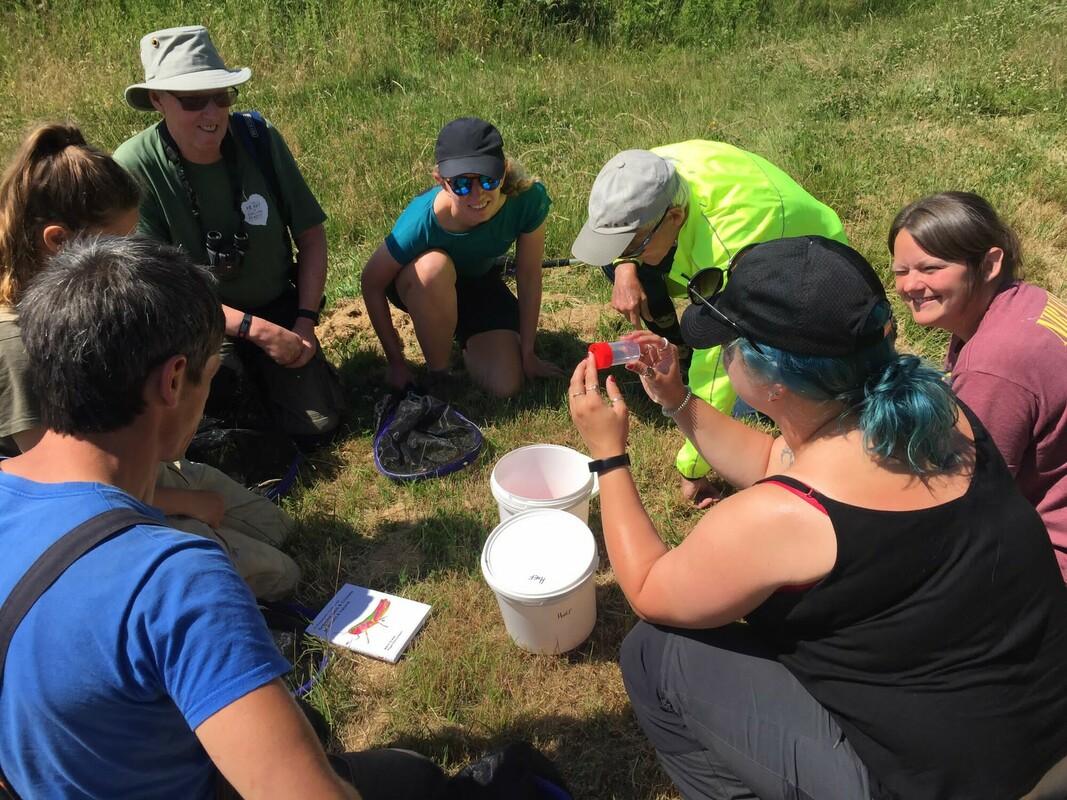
(46, 570)
(54, 562)
(250, 129)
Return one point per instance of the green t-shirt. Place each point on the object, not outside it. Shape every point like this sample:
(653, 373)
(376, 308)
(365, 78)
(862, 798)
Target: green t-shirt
(417, 230)
(737, 198)
(18, 408)
(166, 213)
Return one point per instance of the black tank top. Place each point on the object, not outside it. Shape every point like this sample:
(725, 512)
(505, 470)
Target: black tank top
(938, 640)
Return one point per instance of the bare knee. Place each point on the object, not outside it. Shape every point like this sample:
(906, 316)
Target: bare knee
(494, 362)
(432, 274)
(505, 385)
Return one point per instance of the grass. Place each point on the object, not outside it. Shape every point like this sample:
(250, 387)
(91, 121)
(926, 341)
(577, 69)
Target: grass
(869, 105)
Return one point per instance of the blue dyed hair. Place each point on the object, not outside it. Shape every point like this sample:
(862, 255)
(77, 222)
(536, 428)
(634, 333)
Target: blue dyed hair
(906, 411)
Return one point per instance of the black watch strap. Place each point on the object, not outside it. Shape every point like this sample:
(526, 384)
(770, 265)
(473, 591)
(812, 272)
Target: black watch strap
(245, 326)
(602, 465)
(307, 313)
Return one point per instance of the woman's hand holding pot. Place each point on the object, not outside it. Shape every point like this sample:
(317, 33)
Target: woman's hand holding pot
(601, 419)
(658, 368)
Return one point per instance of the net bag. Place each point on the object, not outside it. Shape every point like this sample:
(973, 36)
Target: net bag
(419, 437)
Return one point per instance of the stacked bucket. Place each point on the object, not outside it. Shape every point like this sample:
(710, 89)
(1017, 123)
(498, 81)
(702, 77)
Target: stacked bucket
(541, 559)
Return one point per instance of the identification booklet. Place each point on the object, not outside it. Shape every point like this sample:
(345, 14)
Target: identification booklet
(369, 622)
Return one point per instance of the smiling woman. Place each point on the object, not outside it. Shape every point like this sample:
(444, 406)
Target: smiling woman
(197, 120)
(437, 264)
(876, 549)
(241, 212)
(955, 265)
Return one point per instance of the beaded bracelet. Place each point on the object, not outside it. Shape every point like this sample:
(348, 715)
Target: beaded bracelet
(671, 413)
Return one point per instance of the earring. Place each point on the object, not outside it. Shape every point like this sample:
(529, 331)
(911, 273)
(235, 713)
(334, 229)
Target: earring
(774, 394)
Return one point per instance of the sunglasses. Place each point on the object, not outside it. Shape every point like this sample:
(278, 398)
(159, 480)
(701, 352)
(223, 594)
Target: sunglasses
(632, 253)
(198, 102)
(461, 185)
(708, 284)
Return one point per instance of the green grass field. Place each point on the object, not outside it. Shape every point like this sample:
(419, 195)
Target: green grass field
(868, 104)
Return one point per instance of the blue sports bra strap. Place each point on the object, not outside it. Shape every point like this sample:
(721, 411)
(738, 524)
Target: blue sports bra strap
(54, 562)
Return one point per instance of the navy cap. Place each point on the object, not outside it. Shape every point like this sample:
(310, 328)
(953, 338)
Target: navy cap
(807, 295)
(469, 145)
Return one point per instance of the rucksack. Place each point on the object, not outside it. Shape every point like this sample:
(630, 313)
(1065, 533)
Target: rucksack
(250, 129)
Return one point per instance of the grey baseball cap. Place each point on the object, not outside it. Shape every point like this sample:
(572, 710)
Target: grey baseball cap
(633, 189)
(181, 59)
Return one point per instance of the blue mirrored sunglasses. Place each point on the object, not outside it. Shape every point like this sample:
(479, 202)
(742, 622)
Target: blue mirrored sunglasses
(461, 185)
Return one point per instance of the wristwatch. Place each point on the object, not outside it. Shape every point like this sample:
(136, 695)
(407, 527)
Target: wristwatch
(307, 313)
(602, 465)
(245, 326)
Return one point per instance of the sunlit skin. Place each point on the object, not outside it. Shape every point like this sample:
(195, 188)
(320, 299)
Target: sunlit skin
(198, 134)
(943, 294)
(192, 401)
(457, 214)
(664, 238)
(628, 298)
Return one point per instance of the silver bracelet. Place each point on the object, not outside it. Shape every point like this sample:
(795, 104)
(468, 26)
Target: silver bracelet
(681, 406)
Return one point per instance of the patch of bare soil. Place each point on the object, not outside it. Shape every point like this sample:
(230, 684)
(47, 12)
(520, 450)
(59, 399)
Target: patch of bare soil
(565, 312)
(348, 318)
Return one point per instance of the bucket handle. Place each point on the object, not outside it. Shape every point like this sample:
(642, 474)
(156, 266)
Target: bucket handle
(595, 491)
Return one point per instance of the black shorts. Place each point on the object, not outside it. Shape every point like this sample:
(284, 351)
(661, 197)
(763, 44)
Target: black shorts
(483, 304)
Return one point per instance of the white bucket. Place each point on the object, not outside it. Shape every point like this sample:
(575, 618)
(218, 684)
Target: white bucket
(543, 476)
(540, 564)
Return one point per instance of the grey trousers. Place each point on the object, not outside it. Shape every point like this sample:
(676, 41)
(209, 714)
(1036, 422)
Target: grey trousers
(731, 723)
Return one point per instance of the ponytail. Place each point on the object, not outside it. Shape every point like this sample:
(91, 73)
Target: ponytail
(908, 414)
(905, 410)
(516, 179)
(54, 178)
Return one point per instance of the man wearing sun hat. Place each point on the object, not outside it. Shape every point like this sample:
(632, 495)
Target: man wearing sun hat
(659, 217)
(234, 199)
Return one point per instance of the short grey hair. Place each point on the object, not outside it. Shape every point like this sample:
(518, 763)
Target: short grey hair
(679, 191)
(680, 195)
(104, 313)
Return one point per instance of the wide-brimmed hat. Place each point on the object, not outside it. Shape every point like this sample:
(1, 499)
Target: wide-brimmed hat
(808, 295)
(469, 145)
(634, 189)
(184, 60)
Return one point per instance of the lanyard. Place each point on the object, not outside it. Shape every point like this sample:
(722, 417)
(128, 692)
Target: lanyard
(229, 158)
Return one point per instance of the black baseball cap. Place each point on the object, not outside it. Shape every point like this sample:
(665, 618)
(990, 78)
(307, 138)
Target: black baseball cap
(469, 145)
(807, 295)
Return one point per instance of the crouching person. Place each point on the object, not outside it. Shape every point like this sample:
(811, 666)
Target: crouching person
(145, 669)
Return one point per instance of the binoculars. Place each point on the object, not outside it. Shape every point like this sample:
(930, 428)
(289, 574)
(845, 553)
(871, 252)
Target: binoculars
(224, 259)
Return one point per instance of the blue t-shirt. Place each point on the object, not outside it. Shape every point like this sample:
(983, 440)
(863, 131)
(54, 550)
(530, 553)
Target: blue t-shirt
(417, 230)
(135, 645)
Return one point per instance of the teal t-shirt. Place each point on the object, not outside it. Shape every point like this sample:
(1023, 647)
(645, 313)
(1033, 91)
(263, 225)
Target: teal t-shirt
(166, 213)
(417, 230)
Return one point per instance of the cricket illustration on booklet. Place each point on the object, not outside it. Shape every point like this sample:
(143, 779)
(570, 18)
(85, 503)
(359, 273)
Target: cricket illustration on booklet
(370, 622)
(373, 618)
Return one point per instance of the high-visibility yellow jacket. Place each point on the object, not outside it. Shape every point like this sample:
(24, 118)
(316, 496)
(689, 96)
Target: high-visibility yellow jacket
(736, 198)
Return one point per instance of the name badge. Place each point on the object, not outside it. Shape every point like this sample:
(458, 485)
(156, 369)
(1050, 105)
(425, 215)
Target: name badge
(255, 210)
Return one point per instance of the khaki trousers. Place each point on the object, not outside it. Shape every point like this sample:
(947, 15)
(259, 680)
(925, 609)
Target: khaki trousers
(251, 531)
